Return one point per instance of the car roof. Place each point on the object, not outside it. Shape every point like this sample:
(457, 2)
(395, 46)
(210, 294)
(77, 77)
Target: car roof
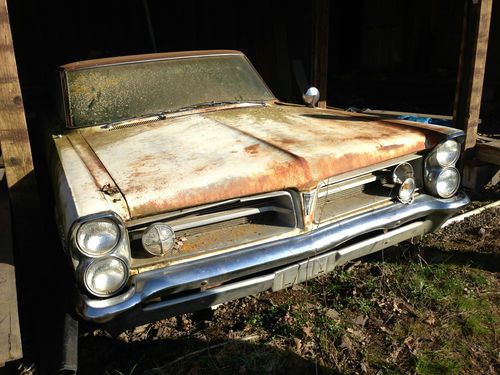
(144, 57)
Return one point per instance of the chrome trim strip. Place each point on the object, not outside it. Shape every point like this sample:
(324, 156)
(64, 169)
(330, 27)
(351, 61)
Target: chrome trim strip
(227, 266)
(361, 180)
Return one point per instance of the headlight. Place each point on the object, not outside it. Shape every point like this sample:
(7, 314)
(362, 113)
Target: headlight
(98, 237)
(443, 182)
(105, 276)
(446, 154)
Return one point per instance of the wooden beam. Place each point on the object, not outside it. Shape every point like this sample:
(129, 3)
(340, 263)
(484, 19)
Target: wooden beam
(489, 152)
(475, 34)
(15, 143)
(20, 177)
(321, 29)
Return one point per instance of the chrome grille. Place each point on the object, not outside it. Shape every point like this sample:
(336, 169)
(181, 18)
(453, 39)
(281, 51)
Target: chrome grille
(222, 226)
(359, 194)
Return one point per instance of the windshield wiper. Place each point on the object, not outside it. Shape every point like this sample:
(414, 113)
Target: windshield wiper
(213, 104)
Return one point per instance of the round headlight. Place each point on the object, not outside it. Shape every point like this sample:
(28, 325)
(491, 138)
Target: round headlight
(98, 237)
(447, 153)
(105, 276)
(447, 183)
(443, 182)
(158, 239)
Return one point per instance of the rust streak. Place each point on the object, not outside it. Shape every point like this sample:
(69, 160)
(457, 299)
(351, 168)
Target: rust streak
(253, 149)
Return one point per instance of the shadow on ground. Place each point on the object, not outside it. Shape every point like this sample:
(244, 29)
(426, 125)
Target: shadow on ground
(190, 355)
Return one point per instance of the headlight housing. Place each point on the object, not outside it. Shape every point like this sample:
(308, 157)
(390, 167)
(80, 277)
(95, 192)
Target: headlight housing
(106, 276)
(98, 237)
(442, 179)
(100, 253)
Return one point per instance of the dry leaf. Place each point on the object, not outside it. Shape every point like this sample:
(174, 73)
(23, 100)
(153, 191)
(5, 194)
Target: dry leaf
(332, 314)
(431, 319)
(307, 331)
(298, 344)
(346, 343)
(361, 320)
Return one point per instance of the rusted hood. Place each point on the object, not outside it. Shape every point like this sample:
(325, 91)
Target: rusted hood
(207, 157)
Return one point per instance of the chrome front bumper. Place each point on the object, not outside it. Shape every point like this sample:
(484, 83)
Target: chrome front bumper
(194, 285)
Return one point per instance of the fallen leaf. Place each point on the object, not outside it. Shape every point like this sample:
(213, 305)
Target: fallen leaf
(307, 331)
(332, 314)
(431, 319)
(346, 343)
(298, 344)
(361, 320)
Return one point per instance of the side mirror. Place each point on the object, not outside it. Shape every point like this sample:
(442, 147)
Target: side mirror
(311, 96)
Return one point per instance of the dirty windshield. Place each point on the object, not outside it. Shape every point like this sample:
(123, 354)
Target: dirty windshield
(113, 93)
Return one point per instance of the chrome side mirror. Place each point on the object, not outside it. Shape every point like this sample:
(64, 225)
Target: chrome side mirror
(311, 96)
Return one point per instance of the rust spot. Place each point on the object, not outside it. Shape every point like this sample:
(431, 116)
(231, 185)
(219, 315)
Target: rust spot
(287, 141)
(134, 58)
(390, 147)
(201, 169)
(109, 190)
(253, 149)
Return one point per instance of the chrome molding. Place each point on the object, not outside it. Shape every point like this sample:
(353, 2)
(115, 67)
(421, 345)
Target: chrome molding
(193, 275)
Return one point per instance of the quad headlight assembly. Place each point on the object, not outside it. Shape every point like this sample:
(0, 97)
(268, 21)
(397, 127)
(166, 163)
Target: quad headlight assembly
(100, 253)
(441, 177)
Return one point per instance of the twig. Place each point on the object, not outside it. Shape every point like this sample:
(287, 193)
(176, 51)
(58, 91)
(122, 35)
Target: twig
(197, 352)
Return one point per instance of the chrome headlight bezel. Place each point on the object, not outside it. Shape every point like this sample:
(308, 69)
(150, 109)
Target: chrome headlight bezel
(435, 167)
(82, 259)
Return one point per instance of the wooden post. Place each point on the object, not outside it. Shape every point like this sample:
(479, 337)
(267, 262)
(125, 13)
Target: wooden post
(476, 26)
(321, 27)
(21, 183)
(15, 145)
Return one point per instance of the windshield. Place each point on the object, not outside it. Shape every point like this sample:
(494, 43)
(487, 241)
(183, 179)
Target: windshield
(105, 94)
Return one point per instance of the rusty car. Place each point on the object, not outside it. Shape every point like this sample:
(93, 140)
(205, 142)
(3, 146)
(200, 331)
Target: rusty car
(181, 182)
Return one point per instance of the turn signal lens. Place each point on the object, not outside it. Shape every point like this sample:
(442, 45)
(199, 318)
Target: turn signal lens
(407, 190)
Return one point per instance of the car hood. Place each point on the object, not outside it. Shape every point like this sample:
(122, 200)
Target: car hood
(206, 157)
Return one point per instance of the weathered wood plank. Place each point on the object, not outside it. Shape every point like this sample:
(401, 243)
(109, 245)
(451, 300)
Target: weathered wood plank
(321, 29)
(15, 143)
(20, 178)
(476, 26)
(14, 139)
(488, 152)
(10, 336)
